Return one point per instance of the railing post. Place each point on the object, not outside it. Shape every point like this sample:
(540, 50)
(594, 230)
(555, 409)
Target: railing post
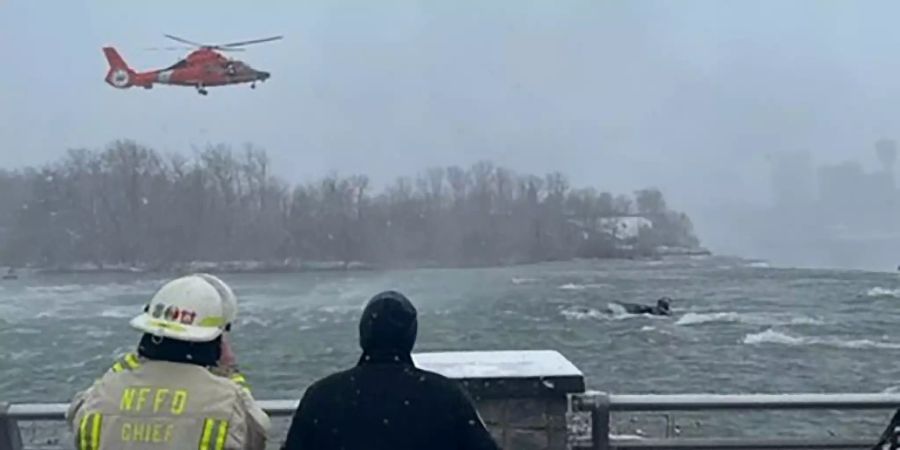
(9, 430)
(600, 421)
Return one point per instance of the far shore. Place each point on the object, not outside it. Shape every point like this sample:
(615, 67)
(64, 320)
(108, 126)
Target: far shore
(291, 266)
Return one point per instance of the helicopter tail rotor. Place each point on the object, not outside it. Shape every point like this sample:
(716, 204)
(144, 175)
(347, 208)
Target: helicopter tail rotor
(119, 74)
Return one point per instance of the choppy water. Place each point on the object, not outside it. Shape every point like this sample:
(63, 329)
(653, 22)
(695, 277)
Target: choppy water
(739, 327)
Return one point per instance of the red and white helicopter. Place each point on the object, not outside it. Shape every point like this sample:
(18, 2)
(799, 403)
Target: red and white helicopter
(202, 68)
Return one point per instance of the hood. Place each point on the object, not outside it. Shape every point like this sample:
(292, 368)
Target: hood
(172, 350)
(388, 327)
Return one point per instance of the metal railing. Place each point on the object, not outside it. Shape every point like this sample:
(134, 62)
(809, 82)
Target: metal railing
(600, 405)
(12, 414)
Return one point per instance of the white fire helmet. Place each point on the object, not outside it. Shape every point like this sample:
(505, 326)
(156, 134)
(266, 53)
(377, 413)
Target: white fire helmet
(194, 308)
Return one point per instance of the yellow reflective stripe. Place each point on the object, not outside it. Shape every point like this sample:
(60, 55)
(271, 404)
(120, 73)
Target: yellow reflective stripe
(240, 380)
(223, 433)
(95, 434)
(89, 432)
(82, 433)
(215, 432)
(168, 325)
(132, 360)
(207, 433)
(213, 321)
(127, 362)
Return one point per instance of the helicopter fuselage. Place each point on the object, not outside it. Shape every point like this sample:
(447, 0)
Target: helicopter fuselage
(200, 69)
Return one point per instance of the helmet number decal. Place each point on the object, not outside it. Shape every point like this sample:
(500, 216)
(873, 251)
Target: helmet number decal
(187, 317)
(173, 313)
(158, 310)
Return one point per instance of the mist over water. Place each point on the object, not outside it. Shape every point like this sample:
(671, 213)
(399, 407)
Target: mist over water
(694, 99)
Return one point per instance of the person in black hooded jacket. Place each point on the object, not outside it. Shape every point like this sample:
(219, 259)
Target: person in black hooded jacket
(385, 402)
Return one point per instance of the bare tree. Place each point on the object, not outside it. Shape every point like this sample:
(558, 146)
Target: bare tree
(128, 204)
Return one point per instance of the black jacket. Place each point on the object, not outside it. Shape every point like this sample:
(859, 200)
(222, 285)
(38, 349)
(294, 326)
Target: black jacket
(385, 402)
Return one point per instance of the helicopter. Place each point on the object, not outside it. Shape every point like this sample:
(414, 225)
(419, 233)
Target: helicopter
(204, 67)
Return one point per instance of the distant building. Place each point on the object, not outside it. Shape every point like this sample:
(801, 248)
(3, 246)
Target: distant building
(886, 150)
(857, 199)
(621, 228)
(625, 227)
(842, 185)
(792, 178)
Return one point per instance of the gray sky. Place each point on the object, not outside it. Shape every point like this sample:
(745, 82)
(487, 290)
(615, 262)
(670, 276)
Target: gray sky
(684, 95)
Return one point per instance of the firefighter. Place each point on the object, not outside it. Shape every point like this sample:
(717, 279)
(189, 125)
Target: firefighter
(181, 389)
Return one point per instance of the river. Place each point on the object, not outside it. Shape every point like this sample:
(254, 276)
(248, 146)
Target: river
(738, 326)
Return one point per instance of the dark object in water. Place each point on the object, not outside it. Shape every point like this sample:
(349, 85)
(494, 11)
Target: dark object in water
(10, 274)
(662, 308)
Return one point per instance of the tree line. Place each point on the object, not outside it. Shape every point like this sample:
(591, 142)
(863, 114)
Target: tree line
(131, 205)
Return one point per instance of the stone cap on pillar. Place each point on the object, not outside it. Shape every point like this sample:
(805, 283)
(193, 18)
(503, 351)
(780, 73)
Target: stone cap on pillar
(508, 373)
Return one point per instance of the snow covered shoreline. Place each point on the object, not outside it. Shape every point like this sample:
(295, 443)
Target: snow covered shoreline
(296, 266)
(209, 266)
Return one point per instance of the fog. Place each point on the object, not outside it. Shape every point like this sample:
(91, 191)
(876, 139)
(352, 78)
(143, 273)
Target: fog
(690, 97)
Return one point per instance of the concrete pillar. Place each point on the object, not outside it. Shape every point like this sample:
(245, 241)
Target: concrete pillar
(522, 396)
(9, 430)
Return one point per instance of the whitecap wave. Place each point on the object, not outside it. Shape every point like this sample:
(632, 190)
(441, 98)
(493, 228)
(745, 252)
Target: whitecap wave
(523, 280)
(620, 313)
(581, 287)
(98, 334)
(27, 331)
(56, 288)
(699, 318)
(572, 287)
(251, 320)
(49, 314)
(746, 318)
(776, 337)
(880, 292)
(581, 313)
(341, 309)
(772, 337)
(116, 313)
(22, 355)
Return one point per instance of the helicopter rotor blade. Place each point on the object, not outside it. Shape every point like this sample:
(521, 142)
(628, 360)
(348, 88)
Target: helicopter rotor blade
(184, 41)
(254, 41)
(184, 47)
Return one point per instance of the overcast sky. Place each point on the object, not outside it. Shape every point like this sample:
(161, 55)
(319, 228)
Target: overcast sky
(685, 95)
